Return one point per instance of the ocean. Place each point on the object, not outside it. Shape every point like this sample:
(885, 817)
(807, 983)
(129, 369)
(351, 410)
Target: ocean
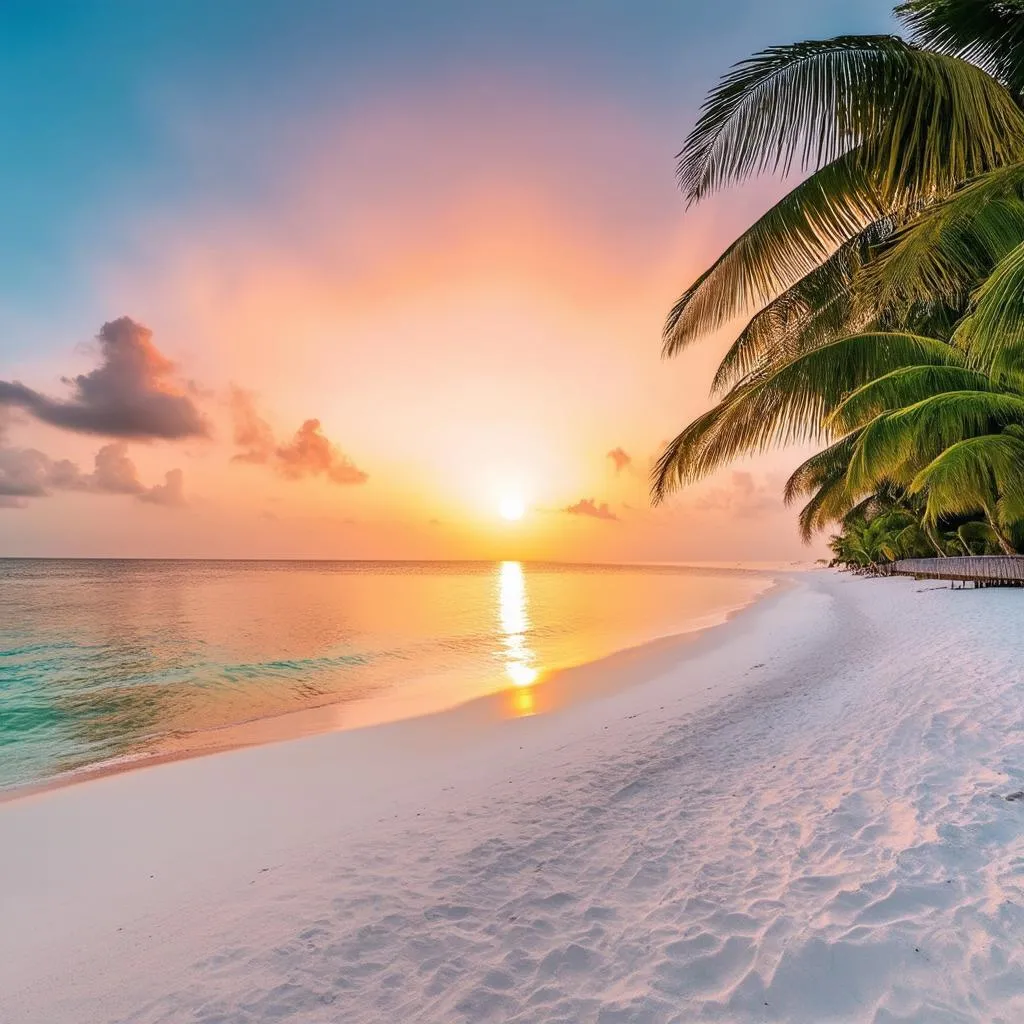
(107, 659)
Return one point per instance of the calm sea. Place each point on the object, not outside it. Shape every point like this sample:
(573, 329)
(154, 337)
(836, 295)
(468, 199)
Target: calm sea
(104, 659)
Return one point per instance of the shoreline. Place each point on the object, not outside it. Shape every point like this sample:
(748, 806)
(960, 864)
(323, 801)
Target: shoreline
(807, 814)
(555, 690)
(121, 865)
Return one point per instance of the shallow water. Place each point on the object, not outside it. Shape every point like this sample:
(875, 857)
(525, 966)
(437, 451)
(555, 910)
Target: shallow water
(100, 659)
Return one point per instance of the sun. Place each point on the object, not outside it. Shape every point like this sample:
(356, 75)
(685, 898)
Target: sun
(512, 508)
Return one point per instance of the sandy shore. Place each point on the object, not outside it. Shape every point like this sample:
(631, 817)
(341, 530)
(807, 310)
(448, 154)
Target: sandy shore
(800, 816)
(555, 690)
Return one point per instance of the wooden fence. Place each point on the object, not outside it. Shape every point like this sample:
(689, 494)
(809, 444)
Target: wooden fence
(982, 570)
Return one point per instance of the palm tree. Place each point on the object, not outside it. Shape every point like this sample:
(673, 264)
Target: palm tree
(888, 285)
(868, 543)
(885, 127)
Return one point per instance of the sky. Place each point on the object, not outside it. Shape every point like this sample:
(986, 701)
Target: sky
(317, 279)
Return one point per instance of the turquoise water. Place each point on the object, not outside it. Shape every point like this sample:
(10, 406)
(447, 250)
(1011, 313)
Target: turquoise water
(106, 659)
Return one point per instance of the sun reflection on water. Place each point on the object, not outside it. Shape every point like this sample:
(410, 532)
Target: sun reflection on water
(515, 623)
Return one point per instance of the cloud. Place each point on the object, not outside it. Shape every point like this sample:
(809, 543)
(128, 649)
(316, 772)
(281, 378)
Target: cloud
(171, 492)
(309, 452)
(130, 394)
(252, 433)
(115, 473)
(588, 507)
(743, 497)
(30, 473)
(621, 459)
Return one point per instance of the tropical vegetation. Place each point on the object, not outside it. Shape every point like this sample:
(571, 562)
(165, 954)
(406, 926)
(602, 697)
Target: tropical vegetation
(883, 295)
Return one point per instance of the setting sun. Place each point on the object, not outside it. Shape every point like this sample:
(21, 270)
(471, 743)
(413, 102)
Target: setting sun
(512, 508)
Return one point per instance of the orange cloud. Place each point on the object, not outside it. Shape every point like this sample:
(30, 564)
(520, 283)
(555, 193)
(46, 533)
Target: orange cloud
(130, 394)
(620, 459)
(742, 497)
(588, 507)
(308, 453)
(170, 492)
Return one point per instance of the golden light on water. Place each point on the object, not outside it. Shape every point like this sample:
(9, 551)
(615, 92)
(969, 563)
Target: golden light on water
(523, 701)
(520, 674)
(515, 623)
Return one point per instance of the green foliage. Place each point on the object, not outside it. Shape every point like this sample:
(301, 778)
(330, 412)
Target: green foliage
(791, 240)
(900, 388)
(946, 247)
(994, 332)
(921, 120)
(896, 445)
(868, 542)
(979, 474)
(790, 403)
(823, 480)
(989, 33)
(819, 307)
(884, 292)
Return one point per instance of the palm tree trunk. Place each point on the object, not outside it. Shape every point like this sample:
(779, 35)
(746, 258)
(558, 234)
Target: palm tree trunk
(930, 533)
(1004, 541)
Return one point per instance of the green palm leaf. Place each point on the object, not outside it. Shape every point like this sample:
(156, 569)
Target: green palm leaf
(787, 404)
(975, 537)
(951, 245)
(924, 120)
(905, 387)
(975, 475)
(820, 307)
(821, 467)
(828, 504)
(896, 445)
(989, 33)
(790, 241)
(994, 333)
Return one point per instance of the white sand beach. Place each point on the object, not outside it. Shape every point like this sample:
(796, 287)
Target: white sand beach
(804, 815)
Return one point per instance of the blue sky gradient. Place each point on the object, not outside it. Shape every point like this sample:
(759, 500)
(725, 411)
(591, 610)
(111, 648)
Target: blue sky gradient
(91, 94)
(432, 241)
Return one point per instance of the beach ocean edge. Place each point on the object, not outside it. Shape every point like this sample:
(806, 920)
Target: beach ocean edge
(558, 688)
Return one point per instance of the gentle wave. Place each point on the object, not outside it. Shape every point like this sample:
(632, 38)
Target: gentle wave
(100, 659)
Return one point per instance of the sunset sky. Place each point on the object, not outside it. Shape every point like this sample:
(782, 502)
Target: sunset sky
(370, 272)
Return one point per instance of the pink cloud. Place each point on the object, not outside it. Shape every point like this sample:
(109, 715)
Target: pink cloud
(308, 453)
(30, 473)
(588, 507)
(742, 497)
(621, 459)
(131, 393)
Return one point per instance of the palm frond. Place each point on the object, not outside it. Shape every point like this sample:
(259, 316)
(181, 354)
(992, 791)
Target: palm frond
(975, 533)
(787, 404)
(876, 503)
(972, 475)
(819, 468)
(790, 241)
(896, 445)
(993, 334)
(822, 306)
(827, 505)
(823, 478)
(989, 33)
(905, 387)
(925, 120)
(950, 245)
